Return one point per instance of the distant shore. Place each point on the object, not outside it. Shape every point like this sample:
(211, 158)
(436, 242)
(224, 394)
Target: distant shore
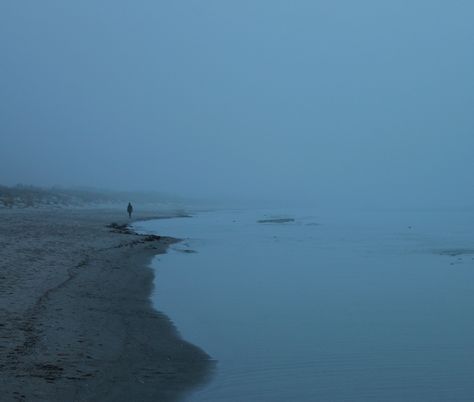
(76, 321)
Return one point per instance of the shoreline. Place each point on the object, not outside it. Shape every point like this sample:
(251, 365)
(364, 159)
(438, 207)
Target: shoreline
(76, 319)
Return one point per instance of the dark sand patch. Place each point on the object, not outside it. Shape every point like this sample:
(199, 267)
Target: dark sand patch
(185, 251)
(276, 220)
(455, 252)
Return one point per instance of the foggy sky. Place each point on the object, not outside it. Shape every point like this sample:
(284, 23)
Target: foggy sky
(367, 102)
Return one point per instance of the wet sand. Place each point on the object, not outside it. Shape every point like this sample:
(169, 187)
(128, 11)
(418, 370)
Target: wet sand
(76, 322)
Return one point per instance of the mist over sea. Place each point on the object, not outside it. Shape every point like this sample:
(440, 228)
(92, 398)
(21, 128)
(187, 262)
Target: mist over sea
(373, 306)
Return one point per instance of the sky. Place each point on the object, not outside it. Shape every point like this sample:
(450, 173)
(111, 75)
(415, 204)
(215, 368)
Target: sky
(322, 102)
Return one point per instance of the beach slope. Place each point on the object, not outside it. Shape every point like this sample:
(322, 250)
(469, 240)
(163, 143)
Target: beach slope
(76, 322)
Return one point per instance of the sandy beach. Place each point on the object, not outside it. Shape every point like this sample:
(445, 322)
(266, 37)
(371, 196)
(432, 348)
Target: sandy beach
(76, 322)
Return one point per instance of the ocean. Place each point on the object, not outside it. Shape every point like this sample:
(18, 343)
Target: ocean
(340, 306)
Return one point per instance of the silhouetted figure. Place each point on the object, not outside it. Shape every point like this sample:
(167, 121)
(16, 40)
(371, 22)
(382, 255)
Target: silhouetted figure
(129, 210)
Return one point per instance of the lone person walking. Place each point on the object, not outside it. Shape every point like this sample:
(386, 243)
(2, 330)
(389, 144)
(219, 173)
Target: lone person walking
(130, 210)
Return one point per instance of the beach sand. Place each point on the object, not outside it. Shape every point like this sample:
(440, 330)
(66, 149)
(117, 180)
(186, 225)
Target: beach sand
(76, 322)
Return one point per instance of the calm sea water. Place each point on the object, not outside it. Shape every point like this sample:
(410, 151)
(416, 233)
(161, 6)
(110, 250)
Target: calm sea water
(362, 307)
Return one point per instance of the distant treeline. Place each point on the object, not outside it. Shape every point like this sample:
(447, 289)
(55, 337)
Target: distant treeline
(22, 196)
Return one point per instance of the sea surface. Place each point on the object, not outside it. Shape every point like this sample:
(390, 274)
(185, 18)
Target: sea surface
(360, 306)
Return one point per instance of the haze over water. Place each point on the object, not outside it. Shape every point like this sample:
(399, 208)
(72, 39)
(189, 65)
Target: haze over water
(374, 306)
(344, 102)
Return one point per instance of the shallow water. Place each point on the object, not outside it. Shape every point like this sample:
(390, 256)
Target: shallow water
(325, 308)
